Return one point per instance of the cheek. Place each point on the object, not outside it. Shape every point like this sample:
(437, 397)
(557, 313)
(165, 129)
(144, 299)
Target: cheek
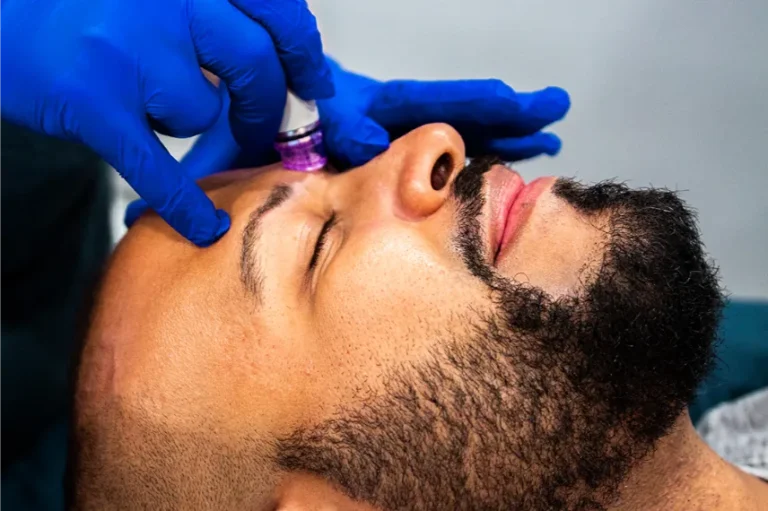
(389, 298)
(558, 248)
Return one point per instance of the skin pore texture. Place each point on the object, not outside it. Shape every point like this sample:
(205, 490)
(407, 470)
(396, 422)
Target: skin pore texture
(408, 363)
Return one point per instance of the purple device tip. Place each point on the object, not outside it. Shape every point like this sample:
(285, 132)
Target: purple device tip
(303, 149)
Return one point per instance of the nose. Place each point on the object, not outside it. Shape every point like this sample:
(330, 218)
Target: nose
(423, 165)
(431, 157)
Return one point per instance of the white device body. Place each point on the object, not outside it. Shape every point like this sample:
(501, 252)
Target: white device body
(298, 114)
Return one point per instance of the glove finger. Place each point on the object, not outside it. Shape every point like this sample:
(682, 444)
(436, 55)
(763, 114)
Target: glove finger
(242, 54)
(134, 211)
(516, 149)
(347, 83)
(127, 143)
(212, 153)
(475, 107)
(216, 149)
(352, 139)
(539, 109)
(178, 99)
(294, 31)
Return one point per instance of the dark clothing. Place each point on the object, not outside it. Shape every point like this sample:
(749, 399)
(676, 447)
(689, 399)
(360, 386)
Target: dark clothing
(55, 239)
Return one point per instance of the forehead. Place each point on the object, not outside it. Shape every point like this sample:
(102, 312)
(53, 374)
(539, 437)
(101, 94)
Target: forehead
(227, 188)
(162, 300)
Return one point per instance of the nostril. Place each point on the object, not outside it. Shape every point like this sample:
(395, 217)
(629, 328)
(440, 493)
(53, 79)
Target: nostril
(441, 171)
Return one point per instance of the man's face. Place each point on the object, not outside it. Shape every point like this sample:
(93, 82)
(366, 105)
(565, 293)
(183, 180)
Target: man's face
(415, 333)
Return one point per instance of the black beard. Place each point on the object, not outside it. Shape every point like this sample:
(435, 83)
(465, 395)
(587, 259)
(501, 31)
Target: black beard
(550, 402)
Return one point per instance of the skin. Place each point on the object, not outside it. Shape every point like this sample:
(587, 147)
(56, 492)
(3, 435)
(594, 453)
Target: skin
(178, 335)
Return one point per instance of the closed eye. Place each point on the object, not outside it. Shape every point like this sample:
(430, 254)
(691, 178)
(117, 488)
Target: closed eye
(320, 243)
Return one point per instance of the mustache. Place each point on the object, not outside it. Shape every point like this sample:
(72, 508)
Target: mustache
(468, 185)
(467, 192)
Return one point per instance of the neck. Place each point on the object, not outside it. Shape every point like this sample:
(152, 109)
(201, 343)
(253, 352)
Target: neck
(683, 473)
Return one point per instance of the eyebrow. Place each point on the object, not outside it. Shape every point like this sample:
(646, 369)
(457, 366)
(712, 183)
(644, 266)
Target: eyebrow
(250, 270)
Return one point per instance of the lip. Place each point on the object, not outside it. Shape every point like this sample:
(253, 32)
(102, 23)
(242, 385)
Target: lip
(511, 202)
(503, 187)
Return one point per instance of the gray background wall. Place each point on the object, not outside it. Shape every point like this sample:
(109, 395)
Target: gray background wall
(665, 92)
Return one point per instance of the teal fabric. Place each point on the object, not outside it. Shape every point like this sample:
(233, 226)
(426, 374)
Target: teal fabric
(34, 481)
(742, 365)
(55, 239)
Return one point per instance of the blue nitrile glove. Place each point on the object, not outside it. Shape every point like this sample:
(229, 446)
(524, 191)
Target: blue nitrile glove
(107, 72)
(364, 115)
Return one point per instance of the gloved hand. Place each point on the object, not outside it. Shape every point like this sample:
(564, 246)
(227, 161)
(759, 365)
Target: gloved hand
(365, 114)
(106, 72)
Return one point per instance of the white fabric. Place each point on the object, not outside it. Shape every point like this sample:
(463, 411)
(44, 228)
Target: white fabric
(738, 431)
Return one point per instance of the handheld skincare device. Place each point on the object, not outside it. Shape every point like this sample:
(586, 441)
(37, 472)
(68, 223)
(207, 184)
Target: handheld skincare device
(300, 140)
